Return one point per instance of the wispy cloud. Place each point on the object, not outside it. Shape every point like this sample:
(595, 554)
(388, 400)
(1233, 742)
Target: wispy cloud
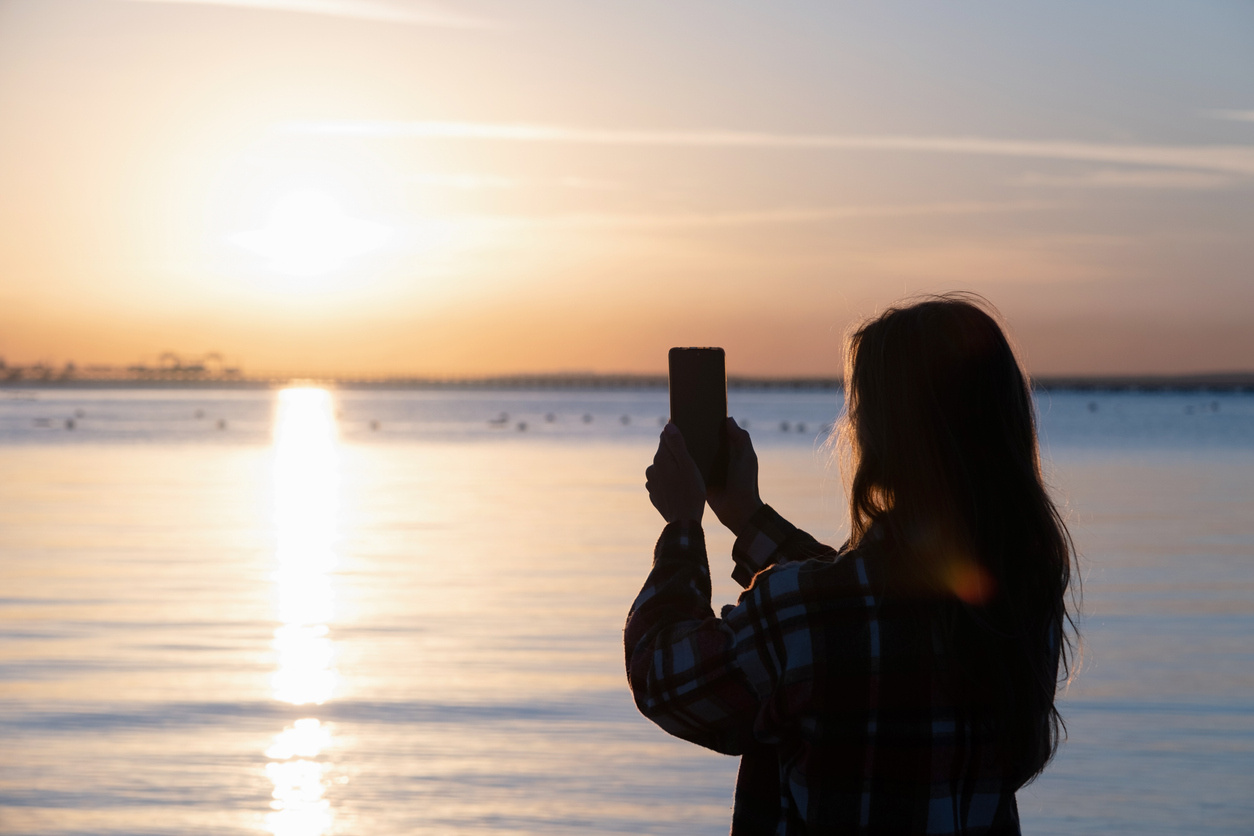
(780, 216)
(1231, 115)
(1232, 159)
(384, 11)
(469, 181)
(464, 181)
(1122, 178)
(593, 184)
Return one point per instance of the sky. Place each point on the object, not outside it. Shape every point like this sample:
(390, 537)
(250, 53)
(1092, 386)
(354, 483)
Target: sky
(384, 187)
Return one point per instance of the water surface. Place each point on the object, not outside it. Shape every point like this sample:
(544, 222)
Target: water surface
(312, 613)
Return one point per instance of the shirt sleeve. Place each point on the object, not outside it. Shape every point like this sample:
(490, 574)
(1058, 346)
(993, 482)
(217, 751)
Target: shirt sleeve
(681, 662)
(768, 539)
(706, 679)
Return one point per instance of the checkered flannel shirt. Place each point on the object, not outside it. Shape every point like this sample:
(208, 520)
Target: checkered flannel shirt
(838, 698)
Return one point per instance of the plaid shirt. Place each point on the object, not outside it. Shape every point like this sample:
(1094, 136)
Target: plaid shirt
(840, 700)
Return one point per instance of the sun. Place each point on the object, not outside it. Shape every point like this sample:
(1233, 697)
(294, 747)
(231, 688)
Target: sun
(307, 234)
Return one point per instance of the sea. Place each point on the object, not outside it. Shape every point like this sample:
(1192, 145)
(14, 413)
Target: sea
(306, 611)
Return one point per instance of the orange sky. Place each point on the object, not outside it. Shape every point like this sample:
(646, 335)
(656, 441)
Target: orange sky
(390, 187)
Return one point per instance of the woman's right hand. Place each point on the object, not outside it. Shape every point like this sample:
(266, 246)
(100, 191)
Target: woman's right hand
(738, 499)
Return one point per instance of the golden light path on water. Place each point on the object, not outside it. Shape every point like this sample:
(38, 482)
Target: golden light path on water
(306, 505)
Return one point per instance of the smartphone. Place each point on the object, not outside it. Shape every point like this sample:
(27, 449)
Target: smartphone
(698, 390)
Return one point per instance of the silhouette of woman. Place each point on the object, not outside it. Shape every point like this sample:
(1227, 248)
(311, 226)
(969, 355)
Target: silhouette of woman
(904, 683)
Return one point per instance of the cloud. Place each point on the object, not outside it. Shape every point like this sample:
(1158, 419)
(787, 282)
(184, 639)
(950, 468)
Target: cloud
(695, 220)
(1231, 115)
(593, 184)
(492, 181)
(383, 11)
(1126, 179)
(1232, 159)
(464, 181)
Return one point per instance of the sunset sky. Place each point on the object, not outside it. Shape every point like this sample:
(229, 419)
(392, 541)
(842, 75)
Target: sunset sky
(493, 186)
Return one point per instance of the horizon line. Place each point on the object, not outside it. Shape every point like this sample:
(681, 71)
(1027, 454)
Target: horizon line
(156, 378)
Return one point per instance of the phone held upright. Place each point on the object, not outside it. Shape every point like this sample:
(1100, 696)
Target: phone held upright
(698, 400)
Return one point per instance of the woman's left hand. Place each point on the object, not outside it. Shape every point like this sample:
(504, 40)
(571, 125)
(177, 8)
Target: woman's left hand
(675, 486)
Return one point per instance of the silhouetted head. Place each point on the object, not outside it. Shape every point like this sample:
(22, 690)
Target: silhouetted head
(940, 428)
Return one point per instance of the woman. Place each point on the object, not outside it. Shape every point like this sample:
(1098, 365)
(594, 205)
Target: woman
(904, 683)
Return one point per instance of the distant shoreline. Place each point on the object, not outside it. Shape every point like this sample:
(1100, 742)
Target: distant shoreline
(1210, 382)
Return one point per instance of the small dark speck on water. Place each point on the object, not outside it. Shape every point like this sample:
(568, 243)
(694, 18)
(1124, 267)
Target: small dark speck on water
(801, 427)
(587, 418)
(626, 419)
(222, 423)
(522, 426)
(1092, 406)
(550, 417)
(783, 426)
(374, 425)
(69, 423)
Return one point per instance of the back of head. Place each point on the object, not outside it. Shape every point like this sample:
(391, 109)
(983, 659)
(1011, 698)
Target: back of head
(941, 428)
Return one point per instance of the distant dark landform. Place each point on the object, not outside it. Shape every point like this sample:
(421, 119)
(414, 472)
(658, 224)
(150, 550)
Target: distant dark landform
(41, 376)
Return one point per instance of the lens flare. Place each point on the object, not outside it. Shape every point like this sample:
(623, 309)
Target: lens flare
(971, 582)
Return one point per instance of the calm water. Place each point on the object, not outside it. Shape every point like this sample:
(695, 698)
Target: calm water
(307, 613)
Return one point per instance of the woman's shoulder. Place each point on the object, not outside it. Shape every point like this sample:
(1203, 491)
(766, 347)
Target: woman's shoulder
(793, 607)
(839, 576)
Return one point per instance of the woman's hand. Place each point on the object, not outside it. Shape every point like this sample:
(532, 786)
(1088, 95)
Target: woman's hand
(735, 502)
(675, 486)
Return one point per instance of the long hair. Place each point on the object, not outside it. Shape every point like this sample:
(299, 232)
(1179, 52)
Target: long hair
(941, 434)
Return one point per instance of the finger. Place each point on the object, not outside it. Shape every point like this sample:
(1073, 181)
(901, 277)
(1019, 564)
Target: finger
(736, 434)
(664, 465)
(674, 441)
(682, 464)
(662, 455)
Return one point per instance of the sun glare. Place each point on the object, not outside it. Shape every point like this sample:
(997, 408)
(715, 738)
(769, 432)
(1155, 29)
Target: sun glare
(306, 491)
(306, 494)
(307, 234)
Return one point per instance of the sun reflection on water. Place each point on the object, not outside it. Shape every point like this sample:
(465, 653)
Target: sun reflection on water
(306, 499)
